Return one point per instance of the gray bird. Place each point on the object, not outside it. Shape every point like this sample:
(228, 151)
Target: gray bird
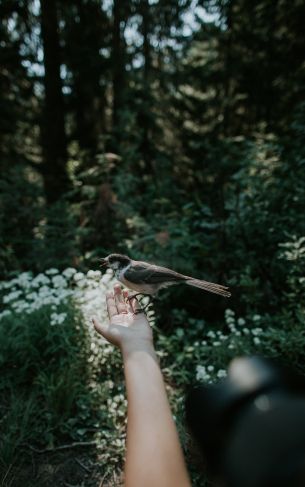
(145, 278)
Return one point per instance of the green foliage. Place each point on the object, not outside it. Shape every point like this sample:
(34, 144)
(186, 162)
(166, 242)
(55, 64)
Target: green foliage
(43, 378)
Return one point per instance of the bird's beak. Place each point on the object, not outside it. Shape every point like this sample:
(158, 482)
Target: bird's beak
(103, 262)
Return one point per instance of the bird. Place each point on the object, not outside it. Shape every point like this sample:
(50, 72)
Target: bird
(148, 279)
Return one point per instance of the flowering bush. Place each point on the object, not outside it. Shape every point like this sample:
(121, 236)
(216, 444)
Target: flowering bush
(56, 367)
(26, 294)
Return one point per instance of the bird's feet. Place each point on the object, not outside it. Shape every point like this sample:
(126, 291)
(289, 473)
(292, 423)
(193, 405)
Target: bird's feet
(142, 309)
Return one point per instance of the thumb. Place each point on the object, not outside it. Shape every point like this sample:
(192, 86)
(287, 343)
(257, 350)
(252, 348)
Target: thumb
(100, 328)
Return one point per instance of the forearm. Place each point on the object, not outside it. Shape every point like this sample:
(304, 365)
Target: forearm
(154, 456)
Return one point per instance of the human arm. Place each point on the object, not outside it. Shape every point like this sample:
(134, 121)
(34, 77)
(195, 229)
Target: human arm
(154, 456)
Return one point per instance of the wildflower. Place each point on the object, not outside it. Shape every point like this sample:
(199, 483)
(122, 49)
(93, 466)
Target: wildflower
(40, 279)
(256, 341)
(4, 313)
(257, 331)
(229, 312)
(210, 368)
(69, 272)
(200, 372)
(241, 321)
(230, 320)
(180, 332)
(81, 283)
(11, 296)
(94, 274)
(52, 271)
(78, 276)
(221, 374)
(58, 318)
(211, 334)
(59, 281)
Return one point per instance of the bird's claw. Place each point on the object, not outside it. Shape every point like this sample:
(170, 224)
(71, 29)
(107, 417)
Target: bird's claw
(140, 310)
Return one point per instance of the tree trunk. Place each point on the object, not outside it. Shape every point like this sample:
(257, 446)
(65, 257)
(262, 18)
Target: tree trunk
(145, 111)
(85, 64)
(53, 129)
(118, 67)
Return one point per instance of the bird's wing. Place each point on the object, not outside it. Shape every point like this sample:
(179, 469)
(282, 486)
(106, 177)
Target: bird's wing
(141, 273)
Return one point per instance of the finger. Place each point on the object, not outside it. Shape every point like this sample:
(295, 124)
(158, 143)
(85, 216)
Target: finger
(119, 299)
(135, 304)
(111, 306)
(127, 301)
(100, 328)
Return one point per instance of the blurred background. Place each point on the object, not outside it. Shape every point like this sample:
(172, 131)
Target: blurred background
(170, 130)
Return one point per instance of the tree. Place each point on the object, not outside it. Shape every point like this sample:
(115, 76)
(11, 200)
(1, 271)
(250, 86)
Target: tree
(54, 141)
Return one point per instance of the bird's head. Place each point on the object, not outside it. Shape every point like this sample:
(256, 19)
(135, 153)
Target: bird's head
(116, 261)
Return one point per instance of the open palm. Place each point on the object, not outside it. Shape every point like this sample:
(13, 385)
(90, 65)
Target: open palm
(125, 326)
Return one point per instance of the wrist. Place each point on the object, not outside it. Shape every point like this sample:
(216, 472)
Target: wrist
(141, 345)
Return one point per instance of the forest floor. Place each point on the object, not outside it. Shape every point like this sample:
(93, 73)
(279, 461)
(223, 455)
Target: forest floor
(69, 468)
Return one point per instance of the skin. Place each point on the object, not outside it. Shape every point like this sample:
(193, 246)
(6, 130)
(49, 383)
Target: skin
(154, 456)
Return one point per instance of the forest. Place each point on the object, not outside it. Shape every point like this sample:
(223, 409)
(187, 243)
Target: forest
(168, 130)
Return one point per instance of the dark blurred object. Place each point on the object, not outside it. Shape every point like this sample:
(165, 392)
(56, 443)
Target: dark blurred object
(251, 426)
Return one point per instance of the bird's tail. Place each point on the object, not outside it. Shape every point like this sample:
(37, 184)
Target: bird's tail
(209, 286)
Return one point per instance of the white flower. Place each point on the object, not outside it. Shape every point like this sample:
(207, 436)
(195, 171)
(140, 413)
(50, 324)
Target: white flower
(256, 341)
(91, 274)
(200, 372)
(11, 296)
(107, 276)
(221, 374)
(246, 331)
(229, 312)
(78, 276)
(210, 368)
(4, 313)
(256, 331)
(216, 344)
(211, 334)
(24, 279)
(69, 272)
(52, 271)
(59, 281)
(230, 321)
(241, 321)
(58, 318)
(32, 296)
(94, 274)
(40, 279)
(256, 317)
(82, 283)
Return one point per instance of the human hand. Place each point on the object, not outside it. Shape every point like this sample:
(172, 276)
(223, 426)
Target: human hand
(127, 330)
